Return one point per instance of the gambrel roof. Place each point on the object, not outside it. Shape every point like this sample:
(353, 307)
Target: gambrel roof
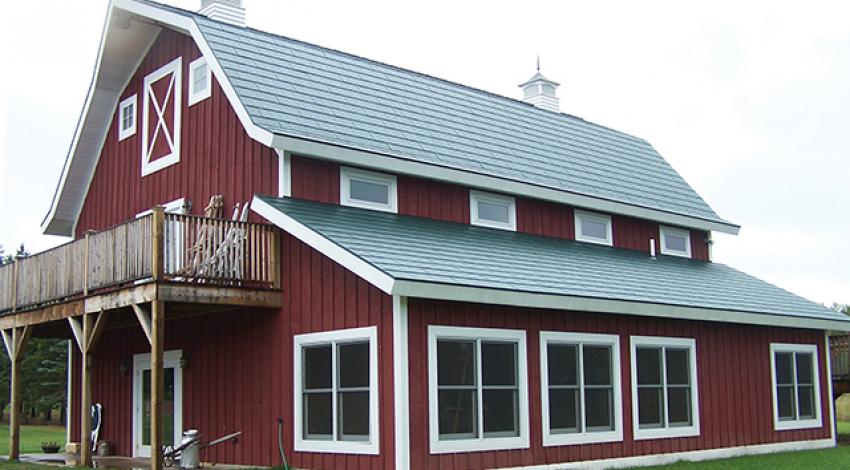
(418, 257)
(305, 98)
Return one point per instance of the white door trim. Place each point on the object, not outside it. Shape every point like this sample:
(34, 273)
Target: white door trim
(142, 362)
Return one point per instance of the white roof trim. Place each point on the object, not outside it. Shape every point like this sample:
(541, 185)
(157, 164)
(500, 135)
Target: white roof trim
(399, 164)
(338, 254)
(460, 293)
(102, 100)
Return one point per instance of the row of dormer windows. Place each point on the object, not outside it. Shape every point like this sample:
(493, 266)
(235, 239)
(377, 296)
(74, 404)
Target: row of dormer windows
(379, 191)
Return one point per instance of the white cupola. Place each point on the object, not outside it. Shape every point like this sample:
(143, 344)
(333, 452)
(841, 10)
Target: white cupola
(541, 92)
(228, 11)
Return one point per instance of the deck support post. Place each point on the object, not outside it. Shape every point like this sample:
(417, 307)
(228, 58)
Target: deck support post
(157, 389)
(15, 340)
(86, 336)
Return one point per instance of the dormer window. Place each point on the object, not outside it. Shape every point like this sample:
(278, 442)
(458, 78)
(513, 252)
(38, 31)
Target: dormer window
(200, 81)
(127, 118)
(367, 189)
(675, 242)
(492, 210)
(593, 228)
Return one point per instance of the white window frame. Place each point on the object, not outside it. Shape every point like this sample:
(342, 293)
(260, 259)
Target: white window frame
(194, 95)
(812, 349)
(595, 217)
(580, 339)
(480, 443)
(348, 173)
(142, 362)
(130, 101)
(479, 196)
(335, 446)
(677, 232)
(666, 431)
(175, 67)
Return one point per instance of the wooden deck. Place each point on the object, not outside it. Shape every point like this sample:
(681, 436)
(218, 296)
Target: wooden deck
(143, 272)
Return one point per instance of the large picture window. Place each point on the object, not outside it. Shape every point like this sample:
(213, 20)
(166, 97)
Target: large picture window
(664, 387)
(580, 377)
(336, 391)
(478, 394)
(796, 386)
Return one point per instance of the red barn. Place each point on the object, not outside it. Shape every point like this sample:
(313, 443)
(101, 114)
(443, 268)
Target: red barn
(429, 276)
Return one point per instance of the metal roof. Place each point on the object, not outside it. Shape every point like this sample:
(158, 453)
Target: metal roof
(437, 252)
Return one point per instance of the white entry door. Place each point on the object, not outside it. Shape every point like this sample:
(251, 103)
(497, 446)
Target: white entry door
(172, 402)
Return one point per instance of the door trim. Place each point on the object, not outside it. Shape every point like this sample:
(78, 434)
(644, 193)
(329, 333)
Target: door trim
(142, 362)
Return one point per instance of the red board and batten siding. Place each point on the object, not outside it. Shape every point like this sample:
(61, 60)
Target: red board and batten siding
(733, 366)
(240, 371)
(318, 180)
(216, 157)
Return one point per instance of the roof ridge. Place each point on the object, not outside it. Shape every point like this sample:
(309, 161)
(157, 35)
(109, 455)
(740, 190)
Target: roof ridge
(531, 107)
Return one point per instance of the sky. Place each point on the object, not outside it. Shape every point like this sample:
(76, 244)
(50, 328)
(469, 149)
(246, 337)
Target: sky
(749, 101)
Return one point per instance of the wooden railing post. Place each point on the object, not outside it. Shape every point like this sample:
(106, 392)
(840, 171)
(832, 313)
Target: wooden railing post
(14, 284)
(157, 240)
(86, 264)
(274, 254)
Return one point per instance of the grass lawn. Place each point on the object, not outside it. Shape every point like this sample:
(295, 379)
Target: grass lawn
(32, 437)
(821, 459)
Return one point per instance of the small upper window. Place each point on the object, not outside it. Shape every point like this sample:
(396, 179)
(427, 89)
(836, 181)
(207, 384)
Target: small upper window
(367, 189)
(492, 210)
(200, 86)
(664, 387)
(796, 388)
(593, 228)
(127, 118)
(676, 242)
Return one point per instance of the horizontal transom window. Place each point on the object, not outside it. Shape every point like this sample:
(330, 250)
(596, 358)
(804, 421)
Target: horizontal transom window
(492, 210)
(676, 242)
(796, 386)
(368, 189)
(581, 388)
(477, 388)
(593, 228)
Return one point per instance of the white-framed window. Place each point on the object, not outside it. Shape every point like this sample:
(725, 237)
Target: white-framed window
(492, 210)
(675, 242)
(368, 189)
(200, 80)
(127, 117)
(593, 228)
(161, 107)
(665, 401)
(477, 389)
(336, 391)
(796, 386)
(580, 388)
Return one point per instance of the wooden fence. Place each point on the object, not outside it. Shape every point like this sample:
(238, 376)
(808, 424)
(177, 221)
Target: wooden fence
(193, 249)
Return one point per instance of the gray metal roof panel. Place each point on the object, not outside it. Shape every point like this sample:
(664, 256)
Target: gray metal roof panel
(418, 249)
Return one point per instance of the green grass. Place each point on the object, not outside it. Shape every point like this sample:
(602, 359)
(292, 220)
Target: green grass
(821, 459)
(32, 437)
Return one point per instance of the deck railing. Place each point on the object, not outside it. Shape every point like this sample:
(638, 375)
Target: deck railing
(166, 247)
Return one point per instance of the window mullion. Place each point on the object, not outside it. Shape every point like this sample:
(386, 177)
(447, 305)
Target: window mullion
(582, 415)
(795, 386)
(479, 389)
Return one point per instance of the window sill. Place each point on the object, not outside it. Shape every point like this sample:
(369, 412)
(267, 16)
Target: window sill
(666, 433)
(472, 445)
(337, 447)
(797, 424)
(566, 439)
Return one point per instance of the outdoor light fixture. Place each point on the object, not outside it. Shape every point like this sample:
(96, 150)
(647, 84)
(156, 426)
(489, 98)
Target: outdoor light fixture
(124, 366)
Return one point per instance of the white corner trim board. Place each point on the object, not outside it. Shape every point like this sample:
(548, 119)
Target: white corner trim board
(689, 456)
(401, 383)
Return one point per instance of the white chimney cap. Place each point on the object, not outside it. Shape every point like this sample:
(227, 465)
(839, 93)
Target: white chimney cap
(228, 11)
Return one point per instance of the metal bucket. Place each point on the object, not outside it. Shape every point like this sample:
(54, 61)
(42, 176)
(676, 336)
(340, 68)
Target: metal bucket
(190, 457)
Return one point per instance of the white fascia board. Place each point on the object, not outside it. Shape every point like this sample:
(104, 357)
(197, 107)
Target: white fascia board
(65, 226)
(402, 165)
(323, 245)
(457, 293)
